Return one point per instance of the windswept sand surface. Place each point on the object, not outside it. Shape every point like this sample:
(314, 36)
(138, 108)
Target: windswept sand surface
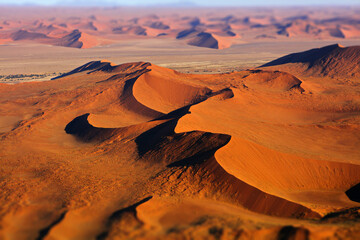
(139, 151)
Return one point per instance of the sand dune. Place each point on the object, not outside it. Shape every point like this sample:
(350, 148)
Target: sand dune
(157, 25)
(71, 40)
(25, 35)
(209, 28)
(164, 90)
(77, 39)
(209, 171)
(140, 151)
(204, 39)
(90, 66)
(277, 81)
(331, 61)
(199, 38)
(262, 167)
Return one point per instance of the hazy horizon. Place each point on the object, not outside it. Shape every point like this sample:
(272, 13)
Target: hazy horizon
(177, 3)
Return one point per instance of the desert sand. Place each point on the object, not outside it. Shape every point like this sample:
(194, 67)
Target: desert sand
(36, 42)
(200, 27)
(155, 123)
(139, 151)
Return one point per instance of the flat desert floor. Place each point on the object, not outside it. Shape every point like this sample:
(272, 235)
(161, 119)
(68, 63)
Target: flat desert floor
(47, 62)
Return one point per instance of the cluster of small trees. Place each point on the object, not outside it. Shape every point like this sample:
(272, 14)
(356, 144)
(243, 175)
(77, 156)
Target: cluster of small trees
(26, 76)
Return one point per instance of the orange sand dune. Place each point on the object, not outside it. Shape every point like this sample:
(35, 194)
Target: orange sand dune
(272, 171)
(165, 90)
(137, 151)
(201, 27)
(78, 39)
(74, 39)
(25, 35)
(330, 61)
(83, 130)
(205, 39)
(277, 81)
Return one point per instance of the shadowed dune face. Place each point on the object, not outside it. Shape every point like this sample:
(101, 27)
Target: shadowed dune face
(354, 193)
(75, 39)
(165, 90)
(25, 35)
(285, 163)
(331, 61)
(200, 27)
(140, 151)
(204, 39)
(71, 40)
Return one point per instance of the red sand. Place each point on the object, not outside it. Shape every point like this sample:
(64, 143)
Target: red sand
(140, 151)
(208, 28)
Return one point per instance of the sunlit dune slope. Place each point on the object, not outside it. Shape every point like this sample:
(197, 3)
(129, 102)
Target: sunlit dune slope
(166, 90)
(104, 145)
(331, 61)
(275, 156)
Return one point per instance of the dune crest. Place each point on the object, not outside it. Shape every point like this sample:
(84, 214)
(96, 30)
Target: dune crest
(137, 150)
(164, 90)
(333, 61)
(200, 27)
(278, 81)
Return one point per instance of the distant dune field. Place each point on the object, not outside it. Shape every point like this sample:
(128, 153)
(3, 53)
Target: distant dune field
(200, 27)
